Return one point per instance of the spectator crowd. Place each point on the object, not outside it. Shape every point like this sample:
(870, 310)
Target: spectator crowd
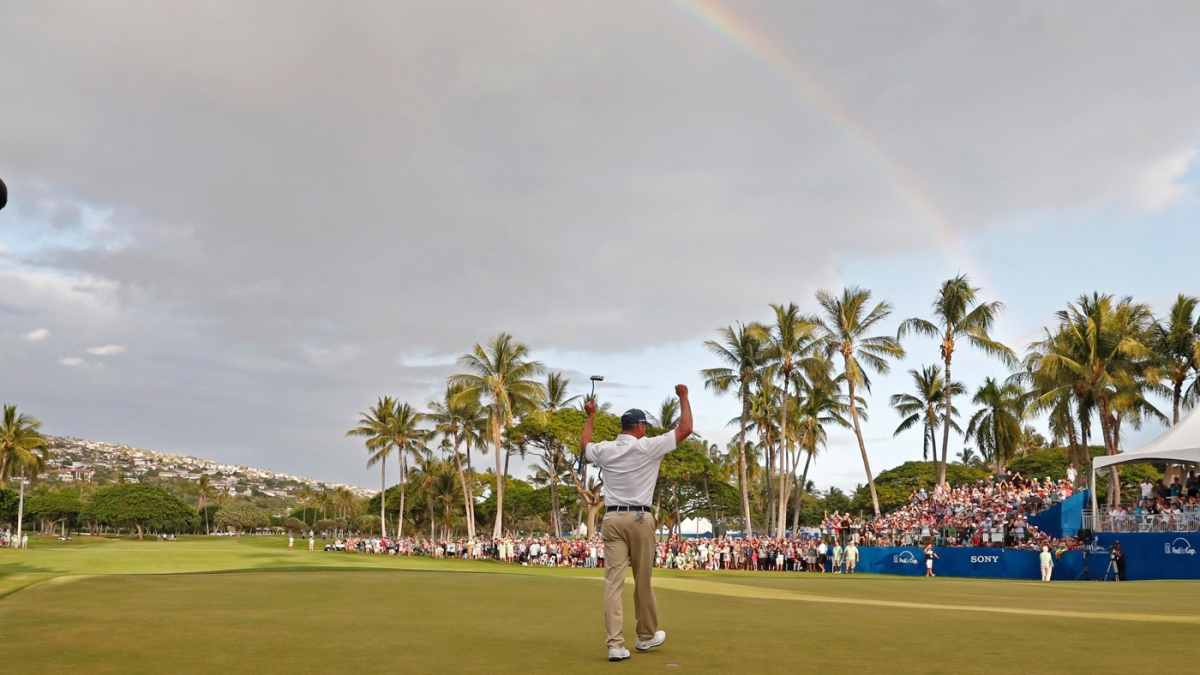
(988, 513)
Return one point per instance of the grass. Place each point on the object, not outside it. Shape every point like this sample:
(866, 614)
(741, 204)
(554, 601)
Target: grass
(249, 605)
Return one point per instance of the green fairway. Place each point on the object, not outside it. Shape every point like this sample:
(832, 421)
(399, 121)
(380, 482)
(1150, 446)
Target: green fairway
(249, 605)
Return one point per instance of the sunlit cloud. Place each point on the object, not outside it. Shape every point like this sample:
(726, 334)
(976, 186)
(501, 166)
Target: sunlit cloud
(107, 350)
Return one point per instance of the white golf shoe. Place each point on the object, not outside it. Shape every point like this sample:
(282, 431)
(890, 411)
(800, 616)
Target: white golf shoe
(646, 645)
(617, 653)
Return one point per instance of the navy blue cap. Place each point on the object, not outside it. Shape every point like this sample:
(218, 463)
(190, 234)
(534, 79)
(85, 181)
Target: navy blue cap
(632, 418)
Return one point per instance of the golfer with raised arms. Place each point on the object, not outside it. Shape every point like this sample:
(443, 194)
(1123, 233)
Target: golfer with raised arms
(630, 466)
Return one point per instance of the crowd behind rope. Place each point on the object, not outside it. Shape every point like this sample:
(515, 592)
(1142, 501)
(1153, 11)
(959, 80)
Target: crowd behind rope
(987, 513)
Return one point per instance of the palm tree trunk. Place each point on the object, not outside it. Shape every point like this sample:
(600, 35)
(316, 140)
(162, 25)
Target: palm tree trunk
(403, 490)
(678, 513)
(712, 512)
(771, 485)
(933, 441)
(862, 446)
(383, 498)
(1110, 446)
(462, 478)
(554, 521)
(21, 508)
(781, 516)
(501, 474)
(743, 485)
(800, 496)
(945, 432)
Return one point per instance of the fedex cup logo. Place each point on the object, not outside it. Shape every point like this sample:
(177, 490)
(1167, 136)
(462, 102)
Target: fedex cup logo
(905, 558)
(1180, 546)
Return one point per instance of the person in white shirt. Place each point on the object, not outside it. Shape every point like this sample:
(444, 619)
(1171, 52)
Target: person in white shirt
(630, 465)
(1047, 563)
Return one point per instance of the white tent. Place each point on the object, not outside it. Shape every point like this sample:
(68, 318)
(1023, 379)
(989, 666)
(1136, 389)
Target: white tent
(1179, 445)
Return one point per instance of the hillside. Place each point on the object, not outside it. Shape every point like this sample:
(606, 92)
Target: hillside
(74, 459)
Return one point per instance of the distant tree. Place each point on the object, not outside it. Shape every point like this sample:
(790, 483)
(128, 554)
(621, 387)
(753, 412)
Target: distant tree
(744, 356)
(845, 324)
(57, 506)
(895, 485)
(959, 314)
(502, 376)
(21, 443)
(555, 437)
(391, 425)
(926, 406)
(139, 505)
(1176, 344)
(998, 426)
(239, 515)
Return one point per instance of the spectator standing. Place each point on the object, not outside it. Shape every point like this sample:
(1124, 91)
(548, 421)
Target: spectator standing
(851, 557)
(929, 556)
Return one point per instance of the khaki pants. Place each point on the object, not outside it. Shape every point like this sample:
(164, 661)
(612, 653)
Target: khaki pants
(628, 540)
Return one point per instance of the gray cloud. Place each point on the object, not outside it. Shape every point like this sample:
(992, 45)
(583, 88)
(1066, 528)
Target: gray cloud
(297, 196)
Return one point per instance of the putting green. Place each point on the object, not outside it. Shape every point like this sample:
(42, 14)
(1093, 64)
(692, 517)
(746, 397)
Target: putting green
(182, 608)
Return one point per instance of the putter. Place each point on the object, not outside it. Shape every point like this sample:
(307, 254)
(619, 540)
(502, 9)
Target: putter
(583, 455)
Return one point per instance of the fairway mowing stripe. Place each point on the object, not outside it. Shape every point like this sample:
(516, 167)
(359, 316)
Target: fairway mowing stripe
(756, 593)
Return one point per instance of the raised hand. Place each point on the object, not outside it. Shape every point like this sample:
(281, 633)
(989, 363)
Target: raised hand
(681, 390)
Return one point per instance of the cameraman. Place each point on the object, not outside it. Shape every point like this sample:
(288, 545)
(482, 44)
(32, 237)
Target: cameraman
(1118, 557)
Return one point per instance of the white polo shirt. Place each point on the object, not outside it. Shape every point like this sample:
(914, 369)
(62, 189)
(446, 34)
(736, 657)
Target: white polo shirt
(630, 467)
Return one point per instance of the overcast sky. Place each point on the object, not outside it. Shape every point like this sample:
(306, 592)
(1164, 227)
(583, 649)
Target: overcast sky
(233, 225)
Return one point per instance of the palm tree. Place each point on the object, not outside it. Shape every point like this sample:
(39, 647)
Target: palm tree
(998, 427)
(1059, 392)
(22, 451)
(457, 418)
(203, 490)
(1101, 348)
(968, 458)
(306, 496)
(959, 314)
(789, 345)
(927, 405)
(764, 402)
(742, 352)
(444, 491)
(19, 438)
(388, 426)
(845, 329)
(502, 375)
(820, 404)
(668, 414)
(549, 472)
(1176, 345)
(556, 393)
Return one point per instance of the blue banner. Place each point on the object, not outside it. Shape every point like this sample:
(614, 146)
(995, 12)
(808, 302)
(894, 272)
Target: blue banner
(1062, 519)
(1147, 556)
(987, 563)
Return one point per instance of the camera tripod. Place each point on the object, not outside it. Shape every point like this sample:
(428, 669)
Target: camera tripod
(1112, 569)
(1086, 574)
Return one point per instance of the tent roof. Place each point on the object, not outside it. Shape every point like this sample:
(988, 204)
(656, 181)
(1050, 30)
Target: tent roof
(1180, 443)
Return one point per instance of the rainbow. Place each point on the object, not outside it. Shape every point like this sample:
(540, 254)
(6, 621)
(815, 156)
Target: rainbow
(722, 23)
